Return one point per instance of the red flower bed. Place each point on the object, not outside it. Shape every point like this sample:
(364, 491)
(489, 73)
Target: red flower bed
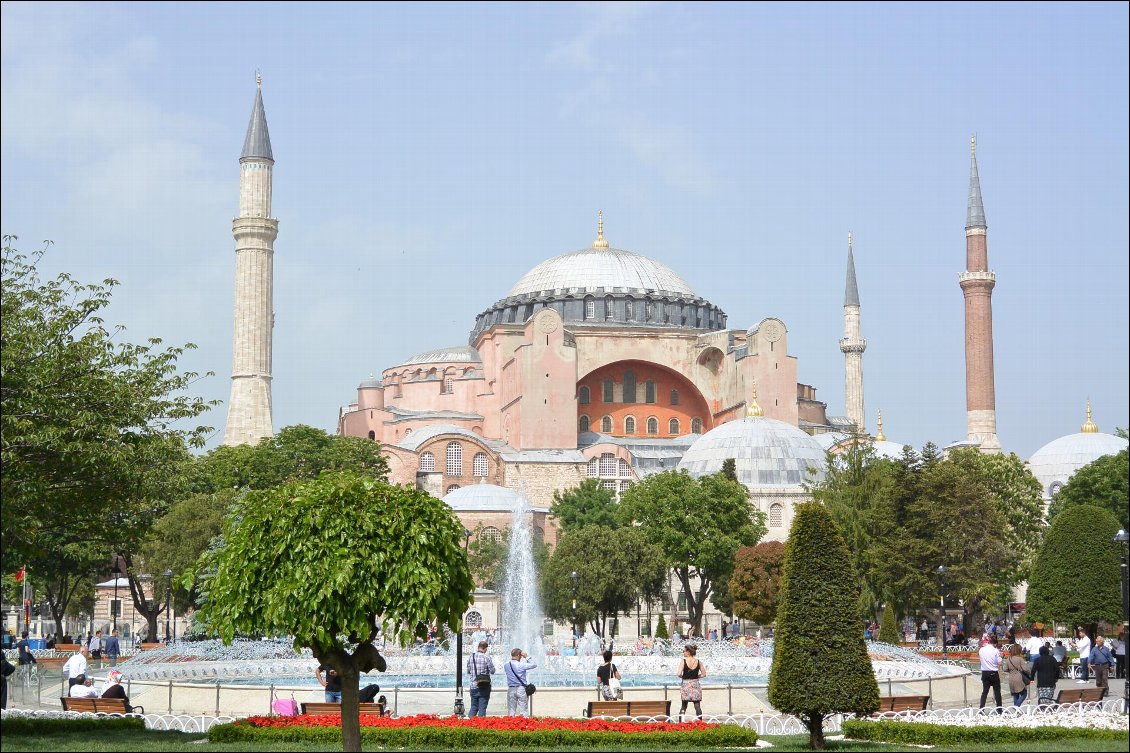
(500, 723)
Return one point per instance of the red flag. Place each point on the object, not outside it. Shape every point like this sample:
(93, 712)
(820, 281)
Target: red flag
(20, 574)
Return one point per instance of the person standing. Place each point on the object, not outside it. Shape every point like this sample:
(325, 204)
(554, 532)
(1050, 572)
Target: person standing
(479, 668)
(604, 675)
(1118, 648)
(1083, 644)
(23, 649)
(517, 699)
(113, 648)
(331, 682)
(691, 671)
(1033, 646)
(1018, 677)
(991, 672)
(1100, 661)
(75, 667)
(1046, 671)
(96, 645)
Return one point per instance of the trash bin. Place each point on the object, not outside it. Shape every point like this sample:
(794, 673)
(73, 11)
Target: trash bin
(36, 644)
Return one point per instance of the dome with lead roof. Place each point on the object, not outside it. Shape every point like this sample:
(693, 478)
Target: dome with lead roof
(767, 452)
(602, 269)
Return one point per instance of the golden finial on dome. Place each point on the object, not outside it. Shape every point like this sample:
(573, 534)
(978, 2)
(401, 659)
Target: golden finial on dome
(258, 79)
(600, 242)
(879, 435)
(753, 410)
(1090, 427)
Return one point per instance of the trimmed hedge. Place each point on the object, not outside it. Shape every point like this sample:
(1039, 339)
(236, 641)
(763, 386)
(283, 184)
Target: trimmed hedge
(33, 725)
(923, 733)
(467, 738)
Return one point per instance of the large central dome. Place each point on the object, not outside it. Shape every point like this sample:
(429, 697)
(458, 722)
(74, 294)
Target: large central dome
(601, 269)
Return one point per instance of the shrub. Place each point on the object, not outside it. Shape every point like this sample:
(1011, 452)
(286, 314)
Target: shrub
(889, 626)
(31, 725)
(922, 733)
(429, 732)
(661, 629)
(820, 661)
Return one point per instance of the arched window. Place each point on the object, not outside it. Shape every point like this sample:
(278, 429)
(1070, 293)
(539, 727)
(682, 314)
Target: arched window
(625, 469)
(653, 425)
(583, 424)
(479, 464)
(648, 310)
(452, 488)
(673, 426)
(609, 307)
(608, 394)
(454, 459)
(594, 468)
(649, 391)
(674, 397)
(629, 309)
(428, 462)
(372, 434)
(473, 619)
(776, 515)
(696, 426)
(606, 424)
(629, 386)
(1054, 487)
(490, 533)
(407, 432)
(539, 535)
(590, 307)
(608, 464)
(583, 396)
(630, 425)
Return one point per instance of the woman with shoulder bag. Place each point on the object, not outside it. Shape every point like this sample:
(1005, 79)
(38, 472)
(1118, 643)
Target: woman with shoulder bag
(691, 671)
(1019, 675)
(608, 680)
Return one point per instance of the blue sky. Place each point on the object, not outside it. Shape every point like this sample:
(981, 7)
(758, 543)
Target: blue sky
(428, 155)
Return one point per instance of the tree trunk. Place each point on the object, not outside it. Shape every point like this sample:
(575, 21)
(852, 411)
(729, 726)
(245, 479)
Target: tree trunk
(815, 731)
(350, 707)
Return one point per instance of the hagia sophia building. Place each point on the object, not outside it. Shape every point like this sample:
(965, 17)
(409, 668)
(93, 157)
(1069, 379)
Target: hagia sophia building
(602, 363)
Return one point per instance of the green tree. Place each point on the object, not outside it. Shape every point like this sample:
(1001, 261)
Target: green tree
(1103, 483)
(486, 556)
(730, 469)
(334, 562)
(699, 524)
(586, 505)
(818, 626)
(756, 581)
(86, 419)
(889, 626)
(661, 629)
(616, 568)
(1076, 576)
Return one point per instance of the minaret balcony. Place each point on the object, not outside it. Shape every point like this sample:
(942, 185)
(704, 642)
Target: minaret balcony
(848, 345)
(985, 276)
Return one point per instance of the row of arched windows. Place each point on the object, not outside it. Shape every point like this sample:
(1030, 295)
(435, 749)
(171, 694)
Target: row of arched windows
(608, 425)
(629, 309)
(609, 465)
(608, 394)
(454, 462)
(490, 533)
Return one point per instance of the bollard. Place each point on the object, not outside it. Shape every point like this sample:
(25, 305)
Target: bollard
(665, 692)
(396, 700)
(730, 699)
(271, 700)
(930, 690)
(170, 696)
(217, 697)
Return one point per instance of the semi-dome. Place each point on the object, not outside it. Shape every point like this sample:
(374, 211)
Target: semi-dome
(601, 269)
(767, 452)
(454, 354)
(486, 498)
(1058, 460)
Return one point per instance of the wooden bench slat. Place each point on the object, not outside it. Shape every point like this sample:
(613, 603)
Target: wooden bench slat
(903, 703)
(95, 705)
(1080, 695)
(628, 708)
(335, 708)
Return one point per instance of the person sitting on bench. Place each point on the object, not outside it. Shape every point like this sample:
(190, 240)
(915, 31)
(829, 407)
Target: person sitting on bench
(84, 688)
(113, 689)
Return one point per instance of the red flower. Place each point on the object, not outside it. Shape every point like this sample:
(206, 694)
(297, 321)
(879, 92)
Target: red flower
(508, 723)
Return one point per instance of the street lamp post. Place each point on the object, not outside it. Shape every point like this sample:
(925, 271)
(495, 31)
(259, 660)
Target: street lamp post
(114, 603)
(1122, 539)
(573, 578)
(168, 602)
(942, 600)
(460, 709)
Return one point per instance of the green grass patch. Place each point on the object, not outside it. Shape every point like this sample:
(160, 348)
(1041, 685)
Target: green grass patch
(922, 733)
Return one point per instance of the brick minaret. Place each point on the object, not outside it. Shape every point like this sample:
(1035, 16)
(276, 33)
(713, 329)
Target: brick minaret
(249, 410)
(853, 346)
(977, 283)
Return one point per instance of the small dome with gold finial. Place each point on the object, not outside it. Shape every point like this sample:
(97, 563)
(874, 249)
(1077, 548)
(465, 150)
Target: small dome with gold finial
(883, 448)
(1057, 461)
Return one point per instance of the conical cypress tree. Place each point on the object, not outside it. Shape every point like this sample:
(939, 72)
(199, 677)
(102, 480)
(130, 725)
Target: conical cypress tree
(820, 661)
(661, 629)
(889, 626)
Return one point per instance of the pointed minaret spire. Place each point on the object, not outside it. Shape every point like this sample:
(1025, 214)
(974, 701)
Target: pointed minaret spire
(257, 143)
(977, 283)
(1090, 427)
(600, 242)
(975, 216)
(852, 346)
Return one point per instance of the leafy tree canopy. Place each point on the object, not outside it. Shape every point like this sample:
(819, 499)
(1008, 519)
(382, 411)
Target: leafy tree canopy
(756, 582)
(334, 562)
(1076, 577)
(585, 505)
(699, 524)
(1103, 483)
(86, 417)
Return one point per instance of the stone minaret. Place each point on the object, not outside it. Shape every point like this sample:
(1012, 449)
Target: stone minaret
(249, 410)
(853, 346)
(977, 284)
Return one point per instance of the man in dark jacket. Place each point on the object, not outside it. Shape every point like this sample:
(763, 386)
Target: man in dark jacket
(1046, 670)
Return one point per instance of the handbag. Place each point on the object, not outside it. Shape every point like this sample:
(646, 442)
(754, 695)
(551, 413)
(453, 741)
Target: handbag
(531, 688)
(482, 678)
(612, 690)
(285, 706)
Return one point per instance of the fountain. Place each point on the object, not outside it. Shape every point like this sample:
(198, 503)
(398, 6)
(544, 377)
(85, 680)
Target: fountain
(521, 604)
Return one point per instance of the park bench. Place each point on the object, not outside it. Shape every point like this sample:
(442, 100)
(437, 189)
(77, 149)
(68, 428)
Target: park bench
(638, 709)
(1080, 695)
(335, 708)
(903, 703)
(99, 706)
(61, 647)
(150, 646)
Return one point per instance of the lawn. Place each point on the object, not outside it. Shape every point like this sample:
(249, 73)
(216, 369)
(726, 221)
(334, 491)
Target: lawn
(92, 742)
